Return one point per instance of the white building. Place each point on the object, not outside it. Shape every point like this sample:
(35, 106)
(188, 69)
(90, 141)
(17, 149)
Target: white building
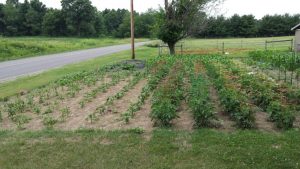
(297, 37)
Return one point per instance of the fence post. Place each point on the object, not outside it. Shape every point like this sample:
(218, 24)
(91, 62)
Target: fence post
(292, 45)
(181, 49)
(266, 45)
(223, 48)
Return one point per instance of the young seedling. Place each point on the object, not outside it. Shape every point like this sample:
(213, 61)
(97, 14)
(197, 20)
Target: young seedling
(92, 118)
(65, 112)
(36, 109)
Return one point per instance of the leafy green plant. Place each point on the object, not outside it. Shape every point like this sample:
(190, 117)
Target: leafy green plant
(49, 121)
(280, 115)
(37, 109)
(16, 107)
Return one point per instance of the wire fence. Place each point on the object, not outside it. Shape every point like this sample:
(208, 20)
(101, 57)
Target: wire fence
(226, 46)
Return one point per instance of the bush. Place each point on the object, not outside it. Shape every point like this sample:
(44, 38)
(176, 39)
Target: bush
(283, 118)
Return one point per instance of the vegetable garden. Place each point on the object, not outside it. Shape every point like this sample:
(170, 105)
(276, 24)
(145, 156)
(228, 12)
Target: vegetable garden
(123, 96)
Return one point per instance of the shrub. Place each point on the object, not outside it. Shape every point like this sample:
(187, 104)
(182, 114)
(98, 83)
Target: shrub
(199, 101)
(283, 117)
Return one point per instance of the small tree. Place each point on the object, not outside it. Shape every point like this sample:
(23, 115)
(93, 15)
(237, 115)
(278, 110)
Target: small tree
(179, 18)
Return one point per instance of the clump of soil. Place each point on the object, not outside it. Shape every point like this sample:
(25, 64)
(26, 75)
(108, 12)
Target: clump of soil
(137, 64)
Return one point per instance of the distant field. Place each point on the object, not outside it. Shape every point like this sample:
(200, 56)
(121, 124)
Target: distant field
(22, 47)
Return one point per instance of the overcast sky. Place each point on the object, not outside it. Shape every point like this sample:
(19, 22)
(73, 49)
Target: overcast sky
(258, 8)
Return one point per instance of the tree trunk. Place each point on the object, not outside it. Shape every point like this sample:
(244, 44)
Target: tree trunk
(166, 5)
(172, 48)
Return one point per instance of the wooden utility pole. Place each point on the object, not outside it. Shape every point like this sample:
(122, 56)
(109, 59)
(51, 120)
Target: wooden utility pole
(132, 31)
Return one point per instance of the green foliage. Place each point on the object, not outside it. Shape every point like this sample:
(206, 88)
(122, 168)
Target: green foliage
(166, 99)
(49, 121)
(178, 19)
(248, 26)
(80, 17)
(277, 59)
(37, 110)
(199, 101)
(15, 108)
(76, 18)
(283, 117)
(236, 107)
(53, 23)
(265, 95)
(234, 102)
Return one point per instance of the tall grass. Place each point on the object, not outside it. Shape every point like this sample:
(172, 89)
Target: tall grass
(22, 47)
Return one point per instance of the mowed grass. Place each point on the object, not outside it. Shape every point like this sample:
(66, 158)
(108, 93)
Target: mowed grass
(22, 47)
(32, 82)
(163, 149)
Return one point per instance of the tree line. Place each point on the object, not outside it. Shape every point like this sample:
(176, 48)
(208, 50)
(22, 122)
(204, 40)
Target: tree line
(80, 18)
(249, 26)
(76, 18)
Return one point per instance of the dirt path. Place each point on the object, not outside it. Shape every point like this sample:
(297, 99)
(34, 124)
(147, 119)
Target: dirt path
(262, 123)
(185, 120)
(142, 118)
(6, 123)
(226, 124)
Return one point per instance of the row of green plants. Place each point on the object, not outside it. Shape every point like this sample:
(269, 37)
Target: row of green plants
(264, 94)
(235, 103)
(100, 110)
(157, 70)
(199, 97)
(286, 62)
(115, 79)
(168, 96)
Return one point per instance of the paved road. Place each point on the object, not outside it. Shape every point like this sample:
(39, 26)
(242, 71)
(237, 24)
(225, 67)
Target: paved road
(10, 70)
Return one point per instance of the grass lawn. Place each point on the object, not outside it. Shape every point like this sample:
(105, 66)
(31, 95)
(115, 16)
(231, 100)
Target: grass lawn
(32, 82)
(161, 149)
(22, 47)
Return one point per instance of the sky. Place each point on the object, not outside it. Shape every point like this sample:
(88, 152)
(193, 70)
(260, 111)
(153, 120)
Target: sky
(258, 8)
